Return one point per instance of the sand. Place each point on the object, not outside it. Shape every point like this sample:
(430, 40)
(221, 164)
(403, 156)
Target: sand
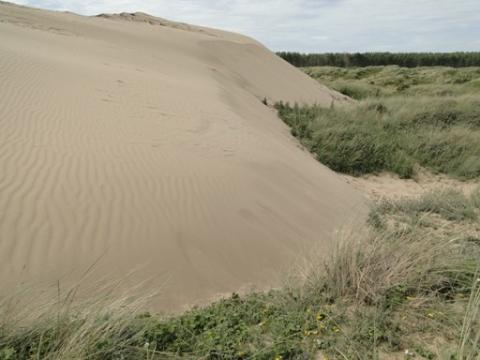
(388, 186)
(133, 144)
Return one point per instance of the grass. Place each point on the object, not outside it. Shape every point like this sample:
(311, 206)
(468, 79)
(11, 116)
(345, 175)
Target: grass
(39, 324)
(395, 135)
(388, 81)
(405, 118)
(470, 345)
(401, 284)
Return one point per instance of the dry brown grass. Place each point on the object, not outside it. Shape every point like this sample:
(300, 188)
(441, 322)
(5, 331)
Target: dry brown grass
(469, 348)
(96, 322)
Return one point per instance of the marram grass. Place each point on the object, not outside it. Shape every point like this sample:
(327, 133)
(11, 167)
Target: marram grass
(392, 134)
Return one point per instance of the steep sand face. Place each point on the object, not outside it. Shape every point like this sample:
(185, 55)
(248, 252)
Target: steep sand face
(136, 145)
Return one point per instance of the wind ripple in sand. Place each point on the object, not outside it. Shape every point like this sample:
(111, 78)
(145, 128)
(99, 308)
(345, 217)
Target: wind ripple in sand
(177, 170)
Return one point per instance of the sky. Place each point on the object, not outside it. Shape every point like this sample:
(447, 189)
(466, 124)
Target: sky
(315, 25)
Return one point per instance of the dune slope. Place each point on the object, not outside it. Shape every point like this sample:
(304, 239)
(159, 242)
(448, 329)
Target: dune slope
(130, 143)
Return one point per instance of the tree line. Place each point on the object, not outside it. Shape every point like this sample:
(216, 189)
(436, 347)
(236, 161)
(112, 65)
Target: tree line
(453, 59)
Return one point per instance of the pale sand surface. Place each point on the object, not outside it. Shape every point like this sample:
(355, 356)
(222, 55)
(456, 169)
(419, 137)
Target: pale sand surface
(390, 187)
(144, 146)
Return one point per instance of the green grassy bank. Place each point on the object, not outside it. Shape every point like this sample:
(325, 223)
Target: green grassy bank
(428, 117)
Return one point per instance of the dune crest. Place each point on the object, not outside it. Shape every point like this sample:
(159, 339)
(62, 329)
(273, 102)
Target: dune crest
(148, 148)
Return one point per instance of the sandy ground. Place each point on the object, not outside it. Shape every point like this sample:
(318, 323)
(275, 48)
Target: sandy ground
(391, 187)
(134, 144)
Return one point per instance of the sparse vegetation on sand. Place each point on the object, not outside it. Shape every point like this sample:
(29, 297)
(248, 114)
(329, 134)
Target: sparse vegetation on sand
(408, 284)
(405, 117)
(387, 81)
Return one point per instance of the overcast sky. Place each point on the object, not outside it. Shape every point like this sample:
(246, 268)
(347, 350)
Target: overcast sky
(316, 25)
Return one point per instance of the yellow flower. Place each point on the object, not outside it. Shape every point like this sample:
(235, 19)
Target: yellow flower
(320, 317)
(431, 315)
(279, 357)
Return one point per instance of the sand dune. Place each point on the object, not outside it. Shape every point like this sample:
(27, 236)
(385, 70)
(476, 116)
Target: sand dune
(135, 143)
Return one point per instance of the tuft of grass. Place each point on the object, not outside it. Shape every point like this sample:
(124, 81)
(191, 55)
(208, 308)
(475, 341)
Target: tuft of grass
(38, 324)
(450, 204)
(469, 348)
(404, 283)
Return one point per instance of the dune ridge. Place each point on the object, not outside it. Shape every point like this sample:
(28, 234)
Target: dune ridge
(148, 148)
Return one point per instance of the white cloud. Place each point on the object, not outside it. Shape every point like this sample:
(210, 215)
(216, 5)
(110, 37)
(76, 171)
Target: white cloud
(316, 25)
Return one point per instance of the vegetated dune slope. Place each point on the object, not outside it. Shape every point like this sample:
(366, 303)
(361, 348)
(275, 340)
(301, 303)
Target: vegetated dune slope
(129, 143)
